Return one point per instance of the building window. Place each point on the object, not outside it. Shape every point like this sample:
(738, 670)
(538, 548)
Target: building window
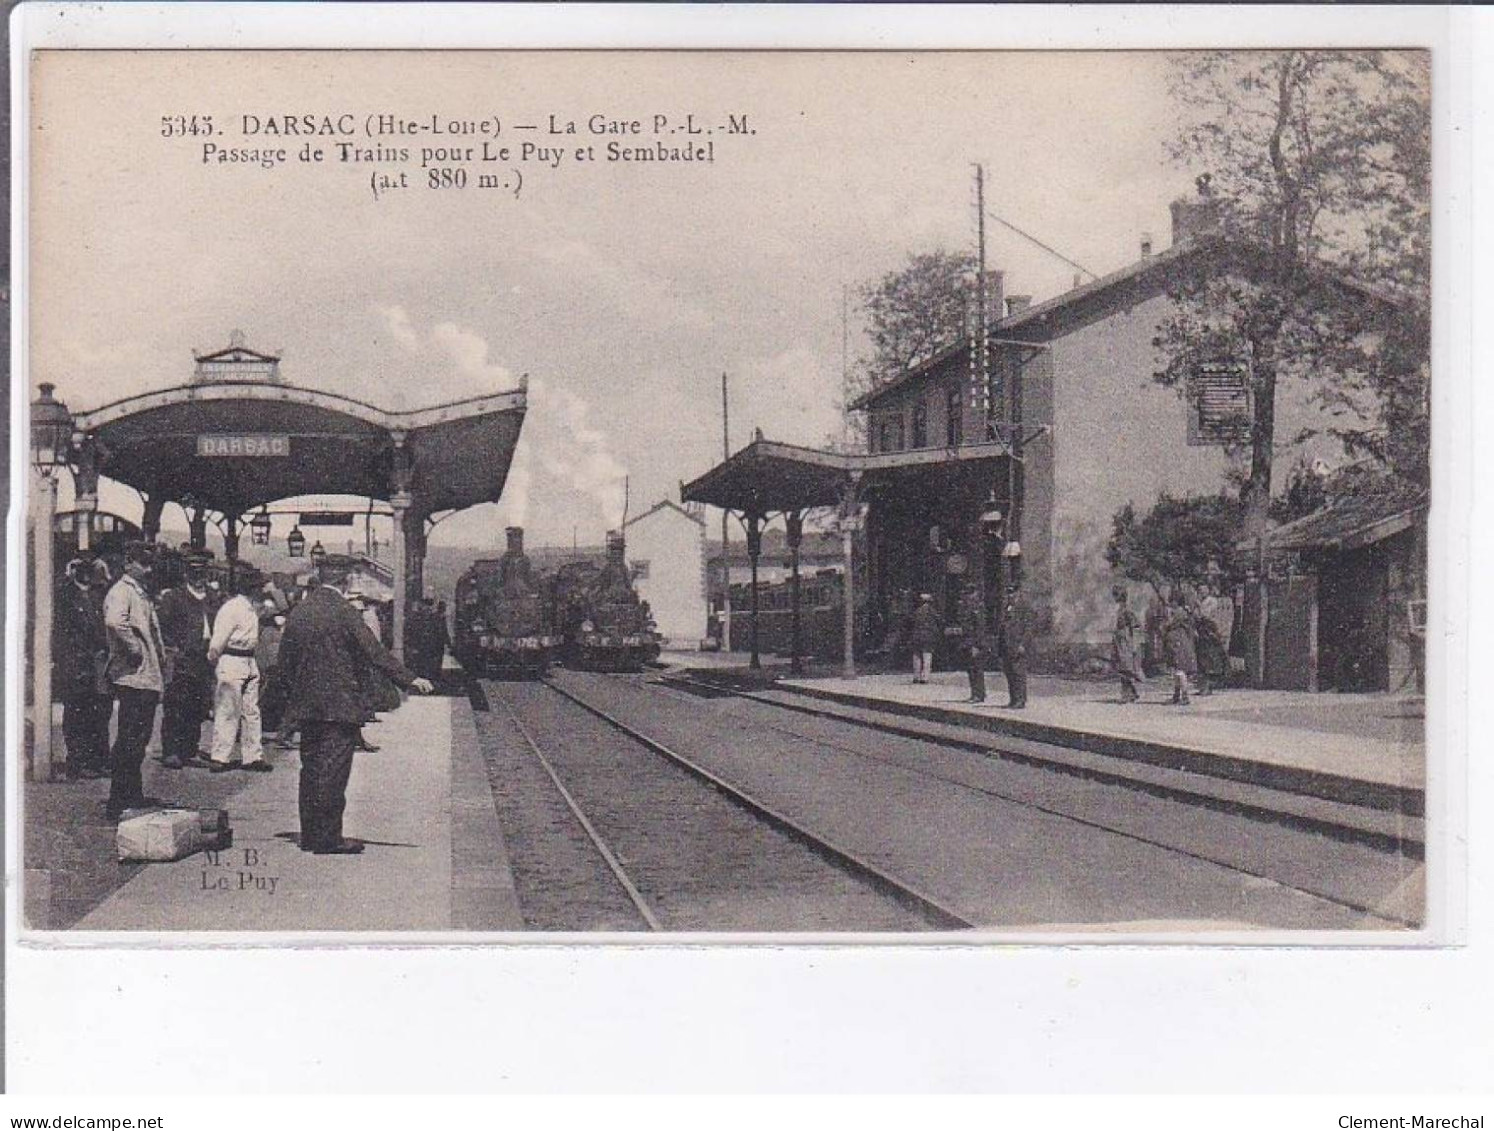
(891, 439)
(954, 418)
(1219, 402)
(920, 424)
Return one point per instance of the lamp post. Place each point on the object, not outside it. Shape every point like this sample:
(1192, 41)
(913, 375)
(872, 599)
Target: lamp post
(990, 524)
(51, 438)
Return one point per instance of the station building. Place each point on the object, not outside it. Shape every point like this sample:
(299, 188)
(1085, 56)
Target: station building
(972, 480)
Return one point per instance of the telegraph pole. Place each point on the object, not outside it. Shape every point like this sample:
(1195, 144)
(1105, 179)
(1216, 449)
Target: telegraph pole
(725, 530)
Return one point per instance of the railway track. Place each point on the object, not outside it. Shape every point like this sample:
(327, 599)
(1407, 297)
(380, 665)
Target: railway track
(1378, 844)
(685, 848)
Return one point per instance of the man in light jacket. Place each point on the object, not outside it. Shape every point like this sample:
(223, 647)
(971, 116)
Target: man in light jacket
(135, 675)
(231, 651)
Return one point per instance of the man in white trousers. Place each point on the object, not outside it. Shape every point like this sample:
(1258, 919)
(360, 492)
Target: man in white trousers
(236, 696)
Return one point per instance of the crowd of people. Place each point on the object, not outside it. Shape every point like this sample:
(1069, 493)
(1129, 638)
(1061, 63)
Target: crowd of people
(145, 631)
(1184, 635)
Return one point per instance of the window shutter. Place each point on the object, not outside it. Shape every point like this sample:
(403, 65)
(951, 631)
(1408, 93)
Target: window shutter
(1219, 403)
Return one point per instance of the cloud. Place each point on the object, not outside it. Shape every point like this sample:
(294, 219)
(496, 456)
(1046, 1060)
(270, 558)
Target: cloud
(562, 448)
(397, 322)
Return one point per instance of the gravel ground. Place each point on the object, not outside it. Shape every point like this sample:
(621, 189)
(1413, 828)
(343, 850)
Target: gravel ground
(701, 862)
(1014, 846)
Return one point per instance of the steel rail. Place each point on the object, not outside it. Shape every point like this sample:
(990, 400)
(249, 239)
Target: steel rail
(618, 871)
(1166, 792)
(926, 905)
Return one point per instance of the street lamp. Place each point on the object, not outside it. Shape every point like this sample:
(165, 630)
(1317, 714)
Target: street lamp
(51, 433)
(295, 542)
(51, 441)
(259, 528)
(318, 554)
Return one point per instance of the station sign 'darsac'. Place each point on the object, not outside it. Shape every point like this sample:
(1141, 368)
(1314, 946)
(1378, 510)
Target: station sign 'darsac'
(240, 445)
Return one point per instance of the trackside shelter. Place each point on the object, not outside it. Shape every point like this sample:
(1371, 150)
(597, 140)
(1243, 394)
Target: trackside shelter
(868, 490)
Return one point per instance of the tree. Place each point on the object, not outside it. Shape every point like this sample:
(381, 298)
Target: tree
(1177, 540)
(911, 314)
(1319, 162)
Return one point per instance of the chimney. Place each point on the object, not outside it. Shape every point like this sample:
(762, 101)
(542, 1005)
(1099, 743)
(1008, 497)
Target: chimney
(1146, 245)
(515, 535)
(1017, 303)
(616, 547)
(1196, 218)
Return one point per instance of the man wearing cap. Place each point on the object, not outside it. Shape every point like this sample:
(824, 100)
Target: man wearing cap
(136, 655)
(236, 693)
(81, 651)
(326, 657)
(1016, 633)
(187, 626)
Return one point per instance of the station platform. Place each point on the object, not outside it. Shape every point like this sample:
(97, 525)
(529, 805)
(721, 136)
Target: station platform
(434, 857)
(1338, 746)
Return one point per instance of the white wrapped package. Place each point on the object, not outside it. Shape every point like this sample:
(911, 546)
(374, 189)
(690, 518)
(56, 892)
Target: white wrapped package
(166, 834)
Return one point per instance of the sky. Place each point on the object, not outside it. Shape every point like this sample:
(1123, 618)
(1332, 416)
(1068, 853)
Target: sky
(622, 290)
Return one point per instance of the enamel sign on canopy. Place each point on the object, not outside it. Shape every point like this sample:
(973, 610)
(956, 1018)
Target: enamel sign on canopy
(246, 445)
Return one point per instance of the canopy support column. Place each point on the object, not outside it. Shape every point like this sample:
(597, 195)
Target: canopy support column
(401, 500)
(231, 547)
(794, 522)
(86, 493)
(754, 524)
(850, 521)
(150, 524)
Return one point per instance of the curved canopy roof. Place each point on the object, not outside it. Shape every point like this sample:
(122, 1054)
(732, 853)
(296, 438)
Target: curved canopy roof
(233, 445)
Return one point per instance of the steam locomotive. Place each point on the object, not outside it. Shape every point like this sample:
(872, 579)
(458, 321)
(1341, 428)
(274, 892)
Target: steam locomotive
(605, 627)
(502, 616)
(512, 619)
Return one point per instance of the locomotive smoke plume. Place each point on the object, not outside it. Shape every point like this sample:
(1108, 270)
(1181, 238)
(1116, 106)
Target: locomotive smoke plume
(558, 431)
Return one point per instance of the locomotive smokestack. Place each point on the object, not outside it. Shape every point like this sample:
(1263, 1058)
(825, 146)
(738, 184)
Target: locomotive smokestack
(515, 539)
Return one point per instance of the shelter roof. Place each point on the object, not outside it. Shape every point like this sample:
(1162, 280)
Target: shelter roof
(767, 477)
(309, 442)
(1349, 523)
(1132, 283)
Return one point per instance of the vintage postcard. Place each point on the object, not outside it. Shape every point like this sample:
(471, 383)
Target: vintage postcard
(728, 494)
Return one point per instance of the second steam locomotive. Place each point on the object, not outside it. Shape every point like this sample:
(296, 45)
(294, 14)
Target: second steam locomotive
(512, 619)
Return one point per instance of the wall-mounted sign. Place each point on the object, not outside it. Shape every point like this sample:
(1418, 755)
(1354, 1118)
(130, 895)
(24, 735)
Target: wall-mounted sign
(243, 445)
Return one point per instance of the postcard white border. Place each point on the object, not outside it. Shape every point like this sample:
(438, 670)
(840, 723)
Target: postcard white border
(38, 974)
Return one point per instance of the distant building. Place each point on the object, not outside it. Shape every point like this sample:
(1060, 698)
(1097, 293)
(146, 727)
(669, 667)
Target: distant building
(666, 556)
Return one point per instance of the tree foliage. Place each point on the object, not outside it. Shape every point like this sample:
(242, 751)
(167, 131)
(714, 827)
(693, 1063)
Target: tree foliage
(1320, 162)
(911, 314)
(1177, 540)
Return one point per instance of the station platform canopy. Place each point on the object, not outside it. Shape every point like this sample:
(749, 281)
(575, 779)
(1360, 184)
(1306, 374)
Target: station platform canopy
(239, 436)
(767, 477)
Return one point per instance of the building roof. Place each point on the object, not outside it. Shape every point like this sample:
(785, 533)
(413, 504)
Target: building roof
(665, 505)
(1134, 282)
(332, 445)
(771, 478)
(1349, 523)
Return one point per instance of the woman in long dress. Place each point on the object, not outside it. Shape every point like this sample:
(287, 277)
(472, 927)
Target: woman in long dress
(1180, 641)
(1123, 644)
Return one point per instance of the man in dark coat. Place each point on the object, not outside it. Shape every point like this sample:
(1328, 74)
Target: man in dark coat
(327, 655)
(186, 613)
(1016, 634)
(973, 627)
(81, 649)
